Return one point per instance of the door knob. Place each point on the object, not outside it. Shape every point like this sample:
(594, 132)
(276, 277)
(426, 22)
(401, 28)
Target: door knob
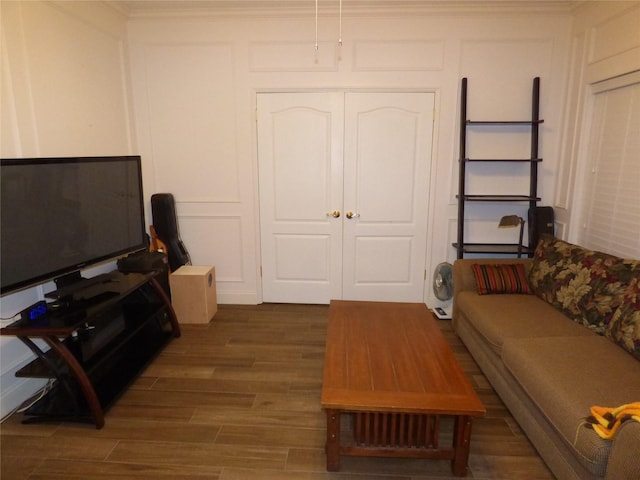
(351, 215)
(334, 214)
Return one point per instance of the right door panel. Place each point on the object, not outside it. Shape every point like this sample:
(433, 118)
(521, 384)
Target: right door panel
(388, 143)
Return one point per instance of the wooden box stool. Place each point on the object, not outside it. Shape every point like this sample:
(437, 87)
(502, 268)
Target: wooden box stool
(193, 293)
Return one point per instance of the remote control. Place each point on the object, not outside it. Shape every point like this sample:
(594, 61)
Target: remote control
(441, 313)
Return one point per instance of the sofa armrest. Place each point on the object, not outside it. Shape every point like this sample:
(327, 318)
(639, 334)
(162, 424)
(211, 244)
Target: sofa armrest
(464, 280)
(624, 459)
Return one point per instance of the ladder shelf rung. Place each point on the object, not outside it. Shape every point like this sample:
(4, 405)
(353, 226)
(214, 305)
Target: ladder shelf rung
(504, 122)
(514, 160)
(507, 248)
(500, 198)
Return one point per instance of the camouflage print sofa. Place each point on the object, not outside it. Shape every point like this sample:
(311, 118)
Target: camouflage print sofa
(557, 335)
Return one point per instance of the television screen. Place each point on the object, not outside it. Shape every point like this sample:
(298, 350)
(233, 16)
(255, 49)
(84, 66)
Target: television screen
(60, 215)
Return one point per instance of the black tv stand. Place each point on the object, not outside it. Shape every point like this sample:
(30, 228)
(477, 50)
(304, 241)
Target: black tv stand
(110, 331)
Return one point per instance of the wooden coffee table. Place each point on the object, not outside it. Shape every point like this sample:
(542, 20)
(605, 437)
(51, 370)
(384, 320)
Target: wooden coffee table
(389, 367)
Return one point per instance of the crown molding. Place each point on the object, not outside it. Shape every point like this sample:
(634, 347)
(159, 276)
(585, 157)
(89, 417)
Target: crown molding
(297, 8)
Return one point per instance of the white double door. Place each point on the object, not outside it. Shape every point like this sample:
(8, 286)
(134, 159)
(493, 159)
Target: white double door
(344, 188)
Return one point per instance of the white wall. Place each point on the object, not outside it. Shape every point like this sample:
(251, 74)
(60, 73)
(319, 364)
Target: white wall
(65, 91)
(195, 78)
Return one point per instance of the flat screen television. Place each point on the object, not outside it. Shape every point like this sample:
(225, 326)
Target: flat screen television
(61, 215)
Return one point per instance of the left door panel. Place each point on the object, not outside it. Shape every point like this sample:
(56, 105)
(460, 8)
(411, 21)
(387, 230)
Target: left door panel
(301, 189)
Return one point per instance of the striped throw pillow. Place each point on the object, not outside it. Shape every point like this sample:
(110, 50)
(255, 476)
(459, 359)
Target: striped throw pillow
(502, 278)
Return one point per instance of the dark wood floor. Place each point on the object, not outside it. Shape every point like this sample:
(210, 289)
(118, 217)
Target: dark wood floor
(239, 399)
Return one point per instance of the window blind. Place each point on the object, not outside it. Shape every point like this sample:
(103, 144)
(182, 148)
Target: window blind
(611, 215)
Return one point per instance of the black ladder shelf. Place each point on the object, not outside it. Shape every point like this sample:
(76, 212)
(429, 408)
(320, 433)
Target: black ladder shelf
(462, 246)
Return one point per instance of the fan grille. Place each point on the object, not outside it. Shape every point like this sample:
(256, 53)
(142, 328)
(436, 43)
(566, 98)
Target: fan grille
(443, 281)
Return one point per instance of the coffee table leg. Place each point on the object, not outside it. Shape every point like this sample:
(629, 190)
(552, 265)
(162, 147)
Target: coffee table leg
(333, 440)
(461, 444)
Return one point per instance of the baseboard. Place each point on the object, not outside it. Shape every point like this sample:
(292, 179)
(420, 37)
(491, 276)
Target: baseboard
(238, 298)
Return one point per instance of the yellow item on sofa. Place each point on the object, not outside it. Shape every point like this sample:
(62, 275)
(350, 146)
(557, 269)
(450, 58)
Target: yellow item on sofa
(606, 421)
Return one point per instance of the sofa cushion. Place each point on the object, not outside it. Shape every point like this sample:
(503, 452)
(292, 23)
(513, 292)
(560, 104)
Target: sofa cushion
(586, 285)
(498, 317)
(500, 278)
(565, 376)
(624, 327)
